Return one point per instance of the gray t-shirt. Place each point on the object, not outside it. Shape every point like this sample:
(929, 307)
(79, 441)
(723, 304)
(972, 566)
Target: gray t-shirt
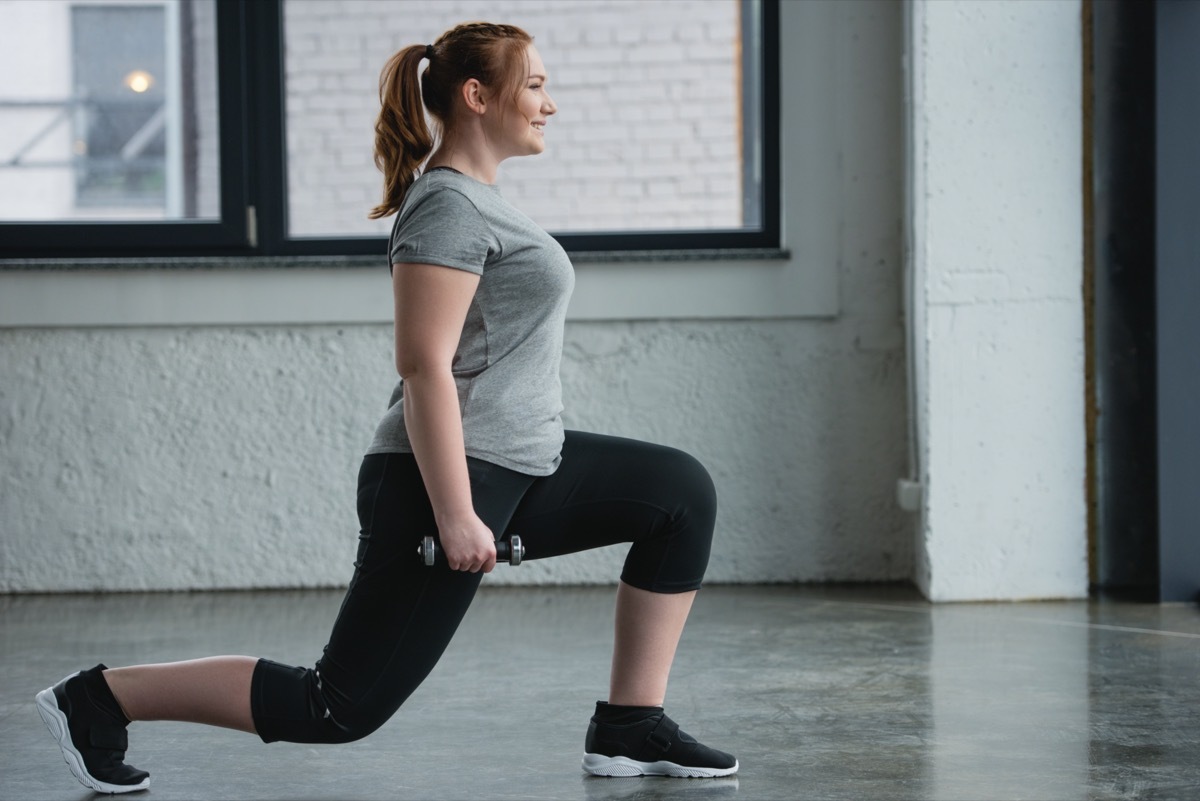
(507, 362)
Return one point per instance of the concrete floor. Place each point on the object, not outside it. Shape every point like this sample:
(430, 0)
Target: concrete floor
(821, 692)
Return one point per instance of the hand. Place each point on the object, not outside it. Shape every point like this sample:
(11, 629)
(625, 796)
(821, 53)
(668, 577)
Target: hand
(468, 543)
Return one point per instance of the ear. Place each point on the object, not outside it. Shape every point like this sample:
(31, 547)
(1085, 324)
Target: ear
(474, 96)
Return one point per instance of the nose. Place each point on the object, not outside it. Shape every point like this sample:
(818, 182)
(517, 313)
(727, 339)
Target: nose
(549, 107)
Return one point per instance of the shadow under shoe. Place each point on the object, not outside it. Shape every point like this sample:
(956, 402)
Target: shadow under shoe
(648, 743)
(86, 721)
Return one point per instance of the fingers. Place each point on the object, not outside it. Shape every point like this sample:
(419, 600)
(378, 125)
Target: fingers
(469, 544)
(483, 559)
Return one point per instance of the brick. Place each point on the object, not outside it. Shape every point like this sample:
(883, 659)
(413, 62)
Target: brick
(628, 34)
(630, 189)
(595, 133)
(594, 55)
(720, 186)
(672, 131)
(626, 91)
(723, 149)
(708, 129)
(598, 36)
(659, 53)
(689, 32)
(661, 188)
(659, 151)
(323, 63)
(597, 188)
(607, 169)
(690, 149)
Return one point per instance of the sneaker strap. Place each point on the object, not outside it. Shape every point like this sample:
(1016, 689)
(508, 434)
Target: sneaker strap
(110, 738)
(663, 735)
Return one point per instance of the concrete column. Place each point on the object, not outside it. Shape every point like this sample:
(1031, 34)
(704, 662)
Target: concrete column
(994, 303)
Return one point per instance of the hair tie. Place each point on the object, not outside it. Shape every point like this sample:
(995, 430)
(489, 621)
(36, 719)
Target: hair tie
(429, 52)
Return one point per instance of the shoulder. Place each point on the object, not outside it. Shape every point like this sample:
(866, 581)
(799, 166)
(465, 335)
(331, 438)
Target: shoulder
(435, 201)
(439, 189)
(441, 223)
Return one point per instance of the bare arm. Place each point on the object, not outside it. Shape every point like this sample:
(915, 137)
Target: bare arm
(431, 306)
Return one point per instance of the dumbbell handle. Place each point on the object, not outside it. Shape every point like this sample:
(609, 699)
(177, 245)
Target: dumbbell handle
(513, 554)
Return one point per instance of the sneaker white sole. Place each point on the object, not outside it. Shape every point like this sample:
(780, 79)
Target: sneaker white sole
(599, 765)
(56, 722)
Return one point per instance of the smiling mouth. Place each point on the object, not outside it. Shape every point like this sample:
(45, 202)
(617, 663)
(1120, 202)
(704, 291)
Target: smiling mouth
(538, 126)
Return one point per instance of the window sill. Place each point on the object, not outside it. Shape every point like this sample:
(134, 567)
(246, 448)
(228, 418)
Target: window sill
(335, 262)
(320, 290)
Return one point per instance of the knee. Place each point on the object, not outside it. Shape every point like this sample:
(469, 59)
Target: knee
(695, 490)
(352, 719)
(676, 559)
(349, 729)
(291, 704)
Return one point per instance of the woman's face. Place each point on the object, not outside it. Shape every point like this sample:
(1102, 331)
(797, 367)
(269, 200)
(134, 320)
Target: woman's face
(521, 133)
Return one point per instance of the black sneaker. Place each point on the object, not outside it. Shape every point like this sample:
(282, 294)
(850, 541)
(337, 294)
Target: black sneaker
(643, 741)
(90, 729)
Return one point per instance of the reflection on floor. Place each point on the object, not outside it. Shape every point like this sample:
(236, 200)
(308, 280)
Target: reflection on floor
(821, 692)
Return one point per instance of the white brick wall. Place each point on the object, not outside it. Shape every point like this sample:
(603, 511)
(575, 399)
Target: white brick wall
(647, 135)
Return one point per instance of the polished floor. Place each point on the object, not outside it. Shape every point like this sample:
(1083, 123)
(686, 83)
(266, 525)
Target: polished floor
(822, 692)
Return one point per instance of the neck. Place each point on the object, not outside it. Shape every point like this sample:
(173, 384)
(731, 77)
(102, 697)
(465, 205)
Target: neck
(468, 155)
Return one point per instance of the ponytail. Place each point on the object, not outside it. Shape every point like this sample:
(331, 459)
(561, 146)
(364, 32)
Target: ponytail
(402, 137)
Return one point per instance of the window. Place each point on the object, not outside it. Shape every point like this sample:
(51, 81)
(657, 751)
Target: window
(120, 112)
(228, 127)
(101, 112)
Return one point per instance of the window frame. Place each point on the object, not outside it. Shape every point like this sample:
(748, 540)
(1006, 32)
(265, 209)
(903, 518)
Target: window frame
(253, 172)
(230, 233)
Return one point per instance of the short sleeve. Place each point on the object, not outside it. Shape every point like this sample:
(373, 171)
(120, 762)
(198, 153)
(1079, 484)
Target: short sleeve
(443, 227)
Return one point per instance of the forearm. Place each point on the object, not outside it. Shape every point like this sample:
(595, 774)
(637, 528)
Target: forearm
(434, 424)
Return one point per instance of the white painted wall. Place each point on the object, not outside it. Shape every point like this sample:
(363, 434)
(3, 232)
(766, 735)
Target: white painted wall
(155, 437)
(995, 230)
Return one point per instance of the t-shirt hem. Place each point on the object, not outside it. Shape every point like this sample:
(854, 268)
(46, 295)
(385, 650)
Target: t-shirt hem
(493, 458)
(437, 261)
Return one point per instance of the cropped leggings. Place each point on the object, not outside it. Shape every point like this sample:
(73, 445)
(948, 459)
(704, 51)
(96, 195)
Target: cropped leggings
(398, 616)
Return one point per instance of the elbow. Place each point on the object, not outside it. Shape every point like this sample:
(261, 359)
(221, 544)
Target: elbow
(408, 370)
(411, 369)
(408, 363)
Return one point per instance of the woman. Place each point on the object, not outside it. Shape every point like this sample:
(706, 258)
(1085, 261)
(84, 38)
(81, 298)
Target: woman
(471, 449)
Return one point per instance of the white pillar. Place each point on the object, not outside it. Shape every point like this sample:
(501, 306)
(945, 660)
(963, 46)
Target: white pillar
(995, 310)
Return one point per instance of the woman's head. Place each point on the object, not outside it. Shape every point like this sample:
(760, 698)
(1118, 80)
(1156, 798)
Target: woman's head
(491, 61)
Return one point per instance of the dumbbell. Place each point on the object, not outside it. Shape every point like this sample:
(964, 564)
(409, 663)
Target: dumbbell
(513, 554)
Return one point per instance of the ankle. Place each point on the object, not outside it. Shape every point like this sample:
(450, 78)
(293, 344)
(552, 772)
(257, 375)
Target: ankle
(621, 698)
(620, 714)
(100, 693)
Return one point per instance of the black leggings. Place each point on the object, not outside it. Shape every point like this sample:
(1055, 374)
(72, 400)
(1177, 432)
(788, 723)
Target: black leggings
(398, 615)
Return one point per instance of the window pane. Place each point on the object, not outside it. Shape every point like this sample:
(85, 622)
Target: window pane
(108, 110)
(656, 129)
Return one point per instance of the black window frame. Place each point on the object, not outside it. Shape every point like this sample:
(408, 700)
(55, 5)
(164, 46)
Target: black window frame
(253, 171)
